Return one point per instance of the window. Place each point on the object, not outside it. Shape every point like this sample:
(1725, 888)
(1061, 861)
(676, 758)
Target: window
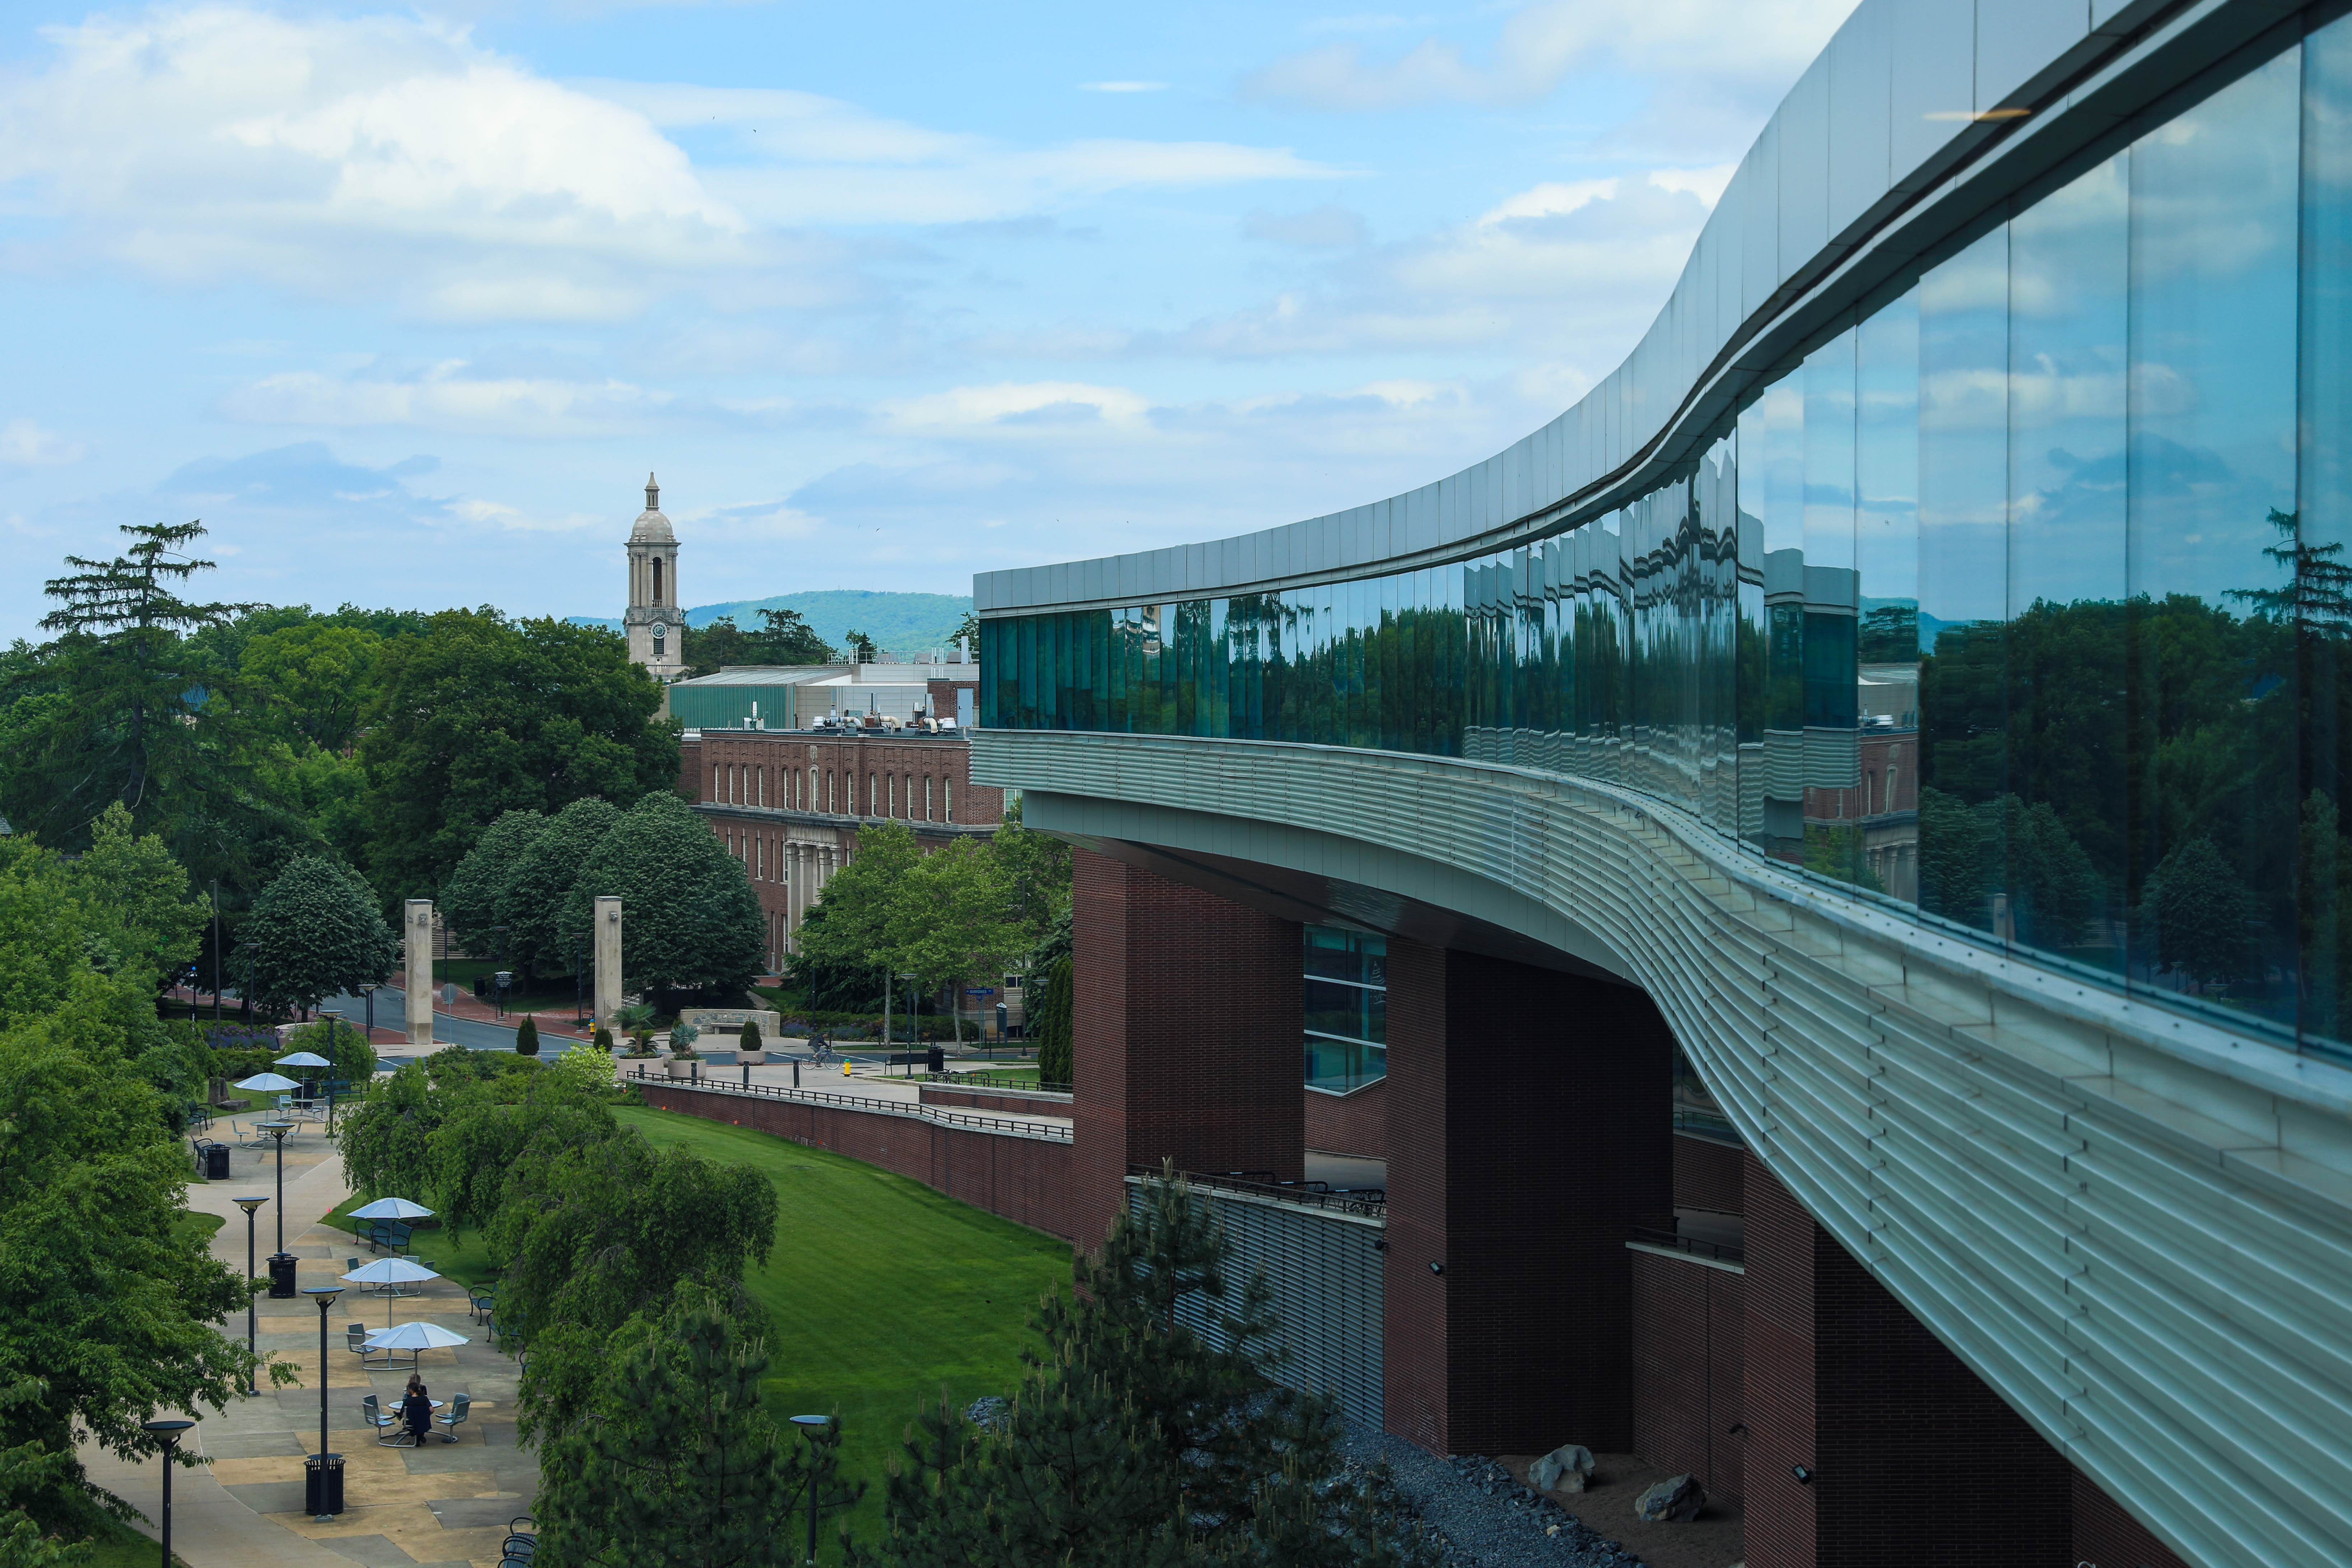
(926, 798)
(714, 781)
(1346, 996)
(657, 579)
(869, 794)
(947, 791)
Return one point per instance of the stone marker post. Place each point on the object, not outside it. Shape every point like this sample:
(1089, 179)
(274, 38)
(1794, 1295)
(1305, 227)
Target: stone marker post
(418, 985)
(608, 959)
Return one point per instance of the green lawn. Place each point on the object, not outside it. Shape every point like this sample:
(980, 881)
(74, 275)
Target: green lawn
(119, 1546)
(879, 1291)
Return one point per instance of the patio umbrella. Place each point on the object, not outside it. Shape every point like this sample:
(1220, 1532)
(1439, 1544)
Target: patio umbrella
(268, 1083)
(303, 1059)
(392, 1208)
(390, 1271)
(414, 1337)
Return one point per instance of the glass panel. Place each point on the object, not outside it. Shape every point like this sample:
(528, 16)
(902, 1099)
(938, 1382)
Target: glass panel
(1832, 773)
(2213, 372)
(1886, 563)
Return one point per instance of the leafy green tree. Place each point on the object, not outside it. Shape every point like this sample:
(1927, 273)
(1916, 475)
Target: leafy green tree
(342, 1043)
(482, 715)
(600, 1231)
(785, 638)
(386, 1140)
(314, 933)
(678, 1462)
(1036, 873)
(527, 1036)
(145, 893)
(861, 647)
(2196, 911)
(1053, 1024)
(470, 901)
(859, 901)
(316, 679)
(689, 917)
(530, 898)
(952, 919)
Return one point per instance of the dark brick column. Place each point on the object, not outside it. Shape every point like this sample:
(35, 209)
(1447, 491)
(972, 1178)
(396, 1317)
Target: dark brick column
(1186, 1034)
(1915, 1460)
(1529, 1123)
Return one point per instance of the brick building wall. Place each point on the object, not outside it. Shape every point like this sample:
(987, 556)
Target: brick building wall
(1355, 1123)
(1690, 1348)
(1522, 1153)
(997, 1099)
(1186, 1021)
(1707, 1174)
(1026, 1180)
(2105, 1536)
(1915, 1460)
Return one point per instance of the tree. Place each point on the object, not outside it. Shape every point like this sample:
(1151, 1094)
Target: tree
(317, 678)
(527, 1036)
(786, 638)
(689, 916)
(530, 898)
(861, 647)
(1036, 873)
(1052, 1025)
(951, 920)
(2196, 911)
(1149, 1430)
(481, 715)
(314, 933)
(145, 893)
(678, 1461)
(471, 900)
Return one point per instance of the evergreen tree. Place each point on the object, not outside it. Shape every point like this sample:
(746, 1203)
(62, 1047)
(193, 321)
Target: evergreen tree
(749, 1038)
(2195, 912)
(314, 933)
(527, 1036)
(1056, 1053)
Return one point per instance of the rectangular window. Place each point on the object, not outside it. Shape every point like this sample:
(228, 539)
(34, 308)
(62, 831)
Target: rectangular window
(1346, 1007)
(948, 796)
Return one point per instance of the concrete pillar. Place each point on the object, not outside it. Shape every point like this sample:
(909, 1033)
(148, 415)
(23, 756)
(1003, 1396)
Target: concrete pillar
(1187, 1042)
(1842, 1380)
(416, 932)
(1530, 1120)
(608, 959)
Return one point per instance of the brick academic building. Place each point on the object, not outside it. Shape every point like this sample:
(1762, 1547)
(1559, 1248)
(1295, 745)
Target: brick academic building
(1719, 868)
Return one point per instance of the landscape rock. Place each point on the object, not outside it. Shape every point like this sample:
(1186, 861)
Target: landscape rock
(1676, 1500)
(1564, 1469)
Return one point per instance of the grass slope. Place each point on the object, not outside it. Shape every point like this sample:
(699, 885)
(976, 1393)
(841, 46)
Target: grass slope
(879, 1291)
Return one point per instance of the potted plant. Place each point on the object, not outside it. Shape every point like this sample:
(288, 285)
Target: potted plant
(749, 1047)
(682, 1059)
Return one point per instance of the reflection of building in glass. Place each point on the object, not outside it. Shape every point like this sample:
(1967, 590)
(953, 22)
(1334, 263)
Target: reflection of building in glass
(1347, 1008)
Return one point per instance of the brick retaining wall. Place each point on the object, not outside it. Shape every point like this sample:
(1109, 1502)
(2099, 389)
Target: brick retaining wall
(1015, 1101)
(1355, 1123)
(1026, 1180)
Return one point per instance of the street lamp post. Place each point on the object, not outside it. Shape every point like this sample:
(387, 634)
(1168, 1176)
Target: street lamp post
(325, 1505)
(216, 949)
(252, 1335)
(279, 1261)
(167, 1431)
(334, 1017)
(808, 1426)
(367, 994)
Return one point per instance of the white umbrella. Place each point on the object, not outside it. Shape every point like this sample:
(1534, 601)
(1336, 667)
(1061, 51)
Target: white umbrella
(414, 1337)
(390, 1271)
(303, 1059)
(393, 1209)
(268, 1083)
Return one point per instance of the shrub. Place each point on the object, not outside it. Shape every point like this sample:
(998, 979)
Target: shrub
(527, 1036)
(604, 1040)
(682, 1036)
(748, 1041)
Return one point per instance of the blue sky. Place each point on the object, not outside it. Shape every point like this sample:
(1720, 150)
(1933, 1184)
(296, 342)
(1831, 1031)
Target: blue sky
(403, 304)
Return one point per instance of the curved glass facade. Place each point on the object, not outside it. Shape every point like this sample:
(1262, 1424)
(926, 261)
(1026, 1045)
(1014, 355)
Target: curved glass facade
(2024, 601)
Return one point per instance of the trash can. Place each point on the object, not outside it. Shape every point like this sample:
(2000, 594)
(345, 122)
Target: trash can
(216, 1157)
(323, 1484)
(281, 1279)
(938, 1060)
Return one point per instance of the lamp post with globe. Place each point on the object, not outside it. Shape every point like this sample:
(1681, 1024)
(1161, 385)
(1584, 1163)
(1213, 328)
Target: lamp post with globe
(167, 1431)
(252, 1335)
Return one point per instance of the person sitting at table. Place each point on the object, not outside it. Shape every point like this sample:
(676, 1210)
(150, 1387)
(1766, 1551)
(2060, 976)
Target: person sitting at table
(416, 1411)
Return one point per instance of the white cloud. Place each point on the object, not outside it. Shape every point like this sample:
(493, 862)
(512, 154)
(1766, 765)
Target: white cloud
(444, 398)
(973, 407)
(514, 519)
(1122, 87)
(1327, 227)
(26, 445)
(1540, 44)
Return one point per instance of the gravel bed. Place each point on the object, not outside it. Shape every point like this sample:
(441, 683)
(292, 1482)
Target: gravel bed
(1488, 1519)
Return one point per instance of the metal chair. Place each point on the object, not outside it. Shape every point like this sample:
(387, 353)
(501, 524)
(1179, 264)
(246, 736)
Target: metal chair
(371, 1412)
(451, 1418)
(355, 1340)
(481, 1301)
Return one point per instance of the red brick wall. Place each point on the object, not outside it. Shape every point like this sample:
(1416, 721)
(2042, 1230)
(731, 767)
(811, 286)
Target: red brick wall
(774, 759)
(939, 696)
(1026, 1180)
(1689, 1342)
(2107, 1537)
(998, 1099)
(1523, 1151)
(1354, 1123)
(1186, 1034)
(1917, 1462)
(1706, 1174)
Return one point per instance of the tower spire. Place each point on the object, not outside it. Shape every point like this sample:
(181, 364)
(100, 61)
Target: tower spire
(652, 492)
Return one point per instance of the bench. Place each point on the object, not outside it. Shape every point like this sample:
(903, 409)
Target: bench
(392, 1234)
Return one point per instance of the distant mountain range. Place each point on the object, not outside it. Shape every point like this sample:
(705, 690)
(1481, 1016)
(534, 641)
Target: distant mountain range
(896, 621)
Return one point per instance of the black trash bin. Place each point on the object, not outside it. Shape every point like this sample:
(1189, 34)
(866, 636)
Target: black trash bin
(281, 1279)
(323, 1484)
(937, 1060)
(216, 1160)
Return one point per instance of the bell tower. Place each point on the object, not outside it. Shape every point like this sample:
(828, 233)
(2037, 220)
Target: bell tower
(654, 624)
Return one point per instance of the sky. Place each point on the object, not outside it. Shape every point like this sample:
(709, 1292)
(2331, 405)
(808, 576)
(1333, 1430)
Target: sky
(404, 304)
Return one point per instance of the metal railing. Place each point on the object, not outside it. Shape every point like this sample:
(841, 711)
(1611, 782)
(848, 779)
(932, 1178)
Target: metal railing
(984, 1079)
(1371, 1202)
(1051, 1131)
(1673, 1241)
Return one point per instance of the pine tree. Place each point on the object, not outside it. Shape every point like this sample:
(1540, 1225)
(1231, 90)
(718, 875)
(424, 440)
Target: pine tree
(527, 1036)
(1056, 1029)
(747, 1038)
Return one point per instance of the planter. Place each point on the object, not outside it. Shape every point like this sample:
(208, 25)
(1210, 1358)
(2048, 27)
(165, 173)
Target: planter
(678, 1068)
(749, 1059)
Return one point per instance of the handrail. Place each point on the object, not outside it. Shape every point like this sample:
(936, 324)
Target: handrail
(984, 1079)
(1371, 1202)
(1048, 1131)
(1675, 1241)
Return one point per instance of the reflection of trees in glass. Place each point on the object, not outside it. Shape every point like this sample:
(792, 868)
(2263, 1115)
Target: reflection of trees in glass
(2317, 597)
(1889, 634)
(1835, 852)
(1968, 853)
(2195, 912)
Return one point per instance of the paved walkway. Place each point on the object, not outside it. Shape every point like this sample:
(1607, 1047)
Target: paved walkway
(443, 1504)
